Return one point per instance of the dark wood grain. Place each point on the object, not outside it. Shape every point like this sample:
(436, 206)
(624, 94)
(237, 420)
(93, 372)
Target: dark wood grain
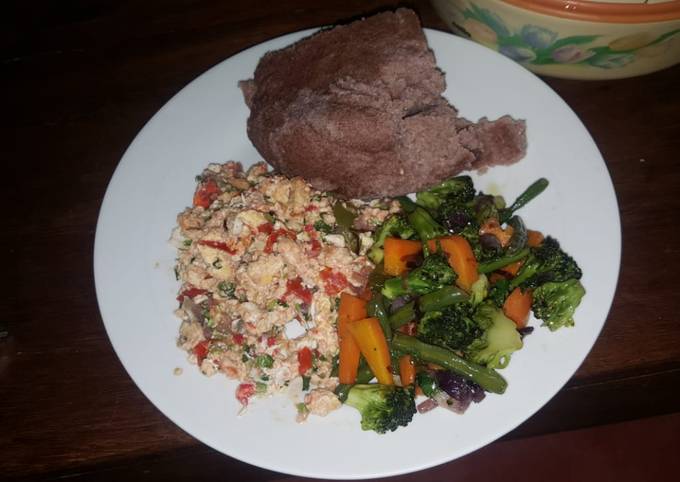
(79, 79)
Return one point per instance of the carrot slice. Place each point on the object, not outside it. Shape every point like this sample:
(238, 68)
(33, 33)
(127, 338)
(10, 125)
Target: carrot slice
(512, 268)
(492, 226)
(461, 258)
(397, 253)
(371, 340)
(534, 238)
(351, 309)
(407, 370)
(517, 306)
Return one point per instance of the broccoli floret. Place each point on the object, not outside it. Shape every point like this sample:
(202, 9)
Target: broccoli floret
(426, 227)
(499, 292)
(394, 225)
(452, 327)
(457, 217)
(383, 407)
(479, 290)
(466, 219)
(457, 189)
(555, 303)
(485, 208)
(546, 263)
(433, 274)
(427, 383)
(498, 341)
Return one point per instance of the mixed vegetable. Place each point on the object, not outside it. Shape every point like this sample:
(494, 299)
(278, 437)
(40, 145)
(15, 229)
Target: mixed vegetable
(430, 297)
(457, 275)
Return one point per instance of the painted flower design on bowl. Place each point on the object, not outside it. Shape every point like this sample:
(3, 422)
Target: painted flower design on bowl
(571, 54)
(536, 45)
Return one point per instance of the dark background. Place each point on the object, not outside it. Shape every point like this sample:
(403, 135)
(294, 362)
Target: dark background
(79, 80)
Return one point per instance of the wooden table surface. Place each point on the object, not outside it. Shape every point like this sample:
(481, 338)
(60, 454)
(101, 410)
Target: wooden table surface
(79, 80)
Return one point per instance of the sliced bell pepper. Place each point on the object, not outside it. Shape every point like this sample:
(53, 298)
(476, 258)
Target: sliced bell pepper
(201, 350)
(304, 357)
(206, 193)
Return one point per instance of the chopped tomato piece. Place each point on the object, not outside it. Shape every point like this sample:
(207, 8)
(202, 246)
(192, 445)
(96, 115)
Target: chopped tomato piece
(238, 338)
(265, 228)
(274, 237)
(201, 350)
(271, 341)
(315, 249)
(244, 392)
(217, 245)
(190, 293)
(333, 281)
(294, 287)
(311, 207)
(304, 360)
(206, 193)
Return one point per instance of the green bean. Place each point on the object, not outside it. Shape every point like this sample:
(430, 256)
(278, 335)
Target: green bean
(446, 296)
(403, 315)
(495, 264)
(531, 192)
(376, 309)
(486, 378)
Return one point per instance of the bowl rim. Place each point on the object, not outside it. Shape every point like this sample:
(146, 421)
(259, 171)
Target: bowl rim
(601, 11)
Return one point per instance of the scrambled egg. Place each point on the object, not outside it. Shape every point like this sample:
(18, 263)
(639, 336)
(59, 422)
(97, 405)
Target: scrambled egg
(257, 252)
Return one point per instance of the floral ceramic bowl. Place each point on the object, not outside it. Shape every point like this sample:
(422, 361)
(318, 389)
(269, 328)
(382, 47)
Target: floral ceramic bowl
(573, 38)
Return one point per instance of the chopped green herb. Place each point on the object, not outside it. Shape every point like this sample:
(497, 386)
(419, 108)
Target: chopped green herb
(217, 264)
(302, 408)
(305, 383)
(198, 178)
(264, 361)
(265, 378)
(260, 388)
(216, 348)
(226, 289)
(282, 303)
(322, 226)
(334, 366)
(187, 242)
(176, 273)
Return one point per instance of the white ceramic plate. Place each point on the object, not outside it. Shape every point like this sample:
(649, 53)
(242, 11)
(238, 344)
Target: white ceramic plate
(206, 122)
